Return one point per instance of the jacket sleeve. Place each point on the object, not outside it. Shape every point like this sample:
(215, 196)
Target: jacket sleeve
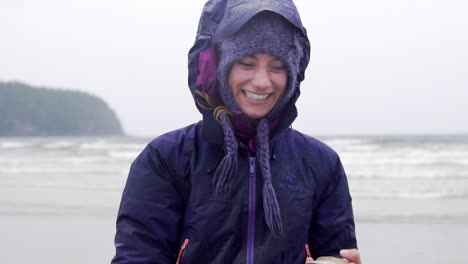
(332, 226)
(150, 213)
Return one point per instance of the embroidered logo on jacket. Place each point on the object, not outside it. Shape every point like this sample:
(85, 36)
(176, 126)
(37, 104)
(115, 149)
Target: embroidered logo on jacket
(287, 183)
(289, 177)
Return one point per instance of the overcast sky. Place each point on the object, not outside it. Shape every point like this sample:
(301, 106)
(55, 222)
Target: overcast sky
(377, 66)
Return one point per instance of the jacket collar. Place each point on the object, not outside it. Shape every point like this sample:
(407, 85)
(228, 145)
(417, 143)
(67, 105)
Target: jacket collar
(213, 132)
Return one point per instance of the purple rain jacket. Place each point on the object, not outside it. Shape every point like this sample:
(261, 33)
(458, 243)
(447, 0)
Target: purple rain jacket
(170, 213)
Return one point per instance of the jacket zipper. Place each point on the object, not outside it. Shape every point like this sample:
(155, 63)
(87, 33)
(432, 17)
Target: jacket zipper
(251, 217)
(182, 249)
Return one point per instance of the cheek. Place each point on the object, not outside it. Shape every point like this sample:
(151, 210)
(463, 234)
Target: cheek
(282, 82)
(231, 80)
(236, 77)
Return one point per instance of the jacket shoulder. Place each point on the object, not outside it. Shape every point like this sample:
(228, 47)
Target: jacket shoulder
(169, 153)
(313, 152)
(176, 138)
(312, 145)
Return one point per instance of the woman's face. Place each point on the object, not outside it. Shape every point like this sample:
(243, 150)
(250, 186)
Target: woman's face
(257, 82)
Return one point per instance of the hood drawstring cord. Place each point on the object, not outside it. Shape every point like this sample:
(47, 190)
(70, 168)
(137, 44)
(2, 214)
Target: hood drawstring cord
(270, 201)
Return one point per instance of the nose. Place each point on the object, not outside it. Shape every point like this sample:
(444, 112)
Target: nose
(261, 79)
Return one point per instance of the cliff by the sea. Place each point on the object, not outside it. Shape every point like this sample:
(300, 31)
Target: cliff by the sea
(40, 111)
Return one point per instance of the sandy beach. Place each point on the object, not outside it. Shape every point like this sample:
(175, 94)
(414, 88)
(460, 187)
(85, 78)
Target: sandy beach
(81, 239)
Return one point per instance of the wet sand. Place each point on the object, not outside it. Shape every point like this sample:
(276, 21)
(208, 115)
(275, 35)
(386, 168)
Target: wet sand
(83, 239)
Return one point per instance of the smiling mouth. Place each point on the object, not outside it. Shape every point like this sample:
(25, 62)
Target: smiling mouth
(255, 96)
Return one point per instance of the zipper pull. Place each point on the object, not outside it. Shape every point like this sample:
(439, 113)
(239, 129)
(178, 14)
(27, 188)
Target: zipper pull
(252, 166)
(182, 249)
(309, 259)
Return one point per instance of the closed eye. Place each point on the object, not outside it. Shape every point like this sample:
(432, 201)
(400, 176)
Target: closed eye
(277, 65)
(245, 64)
(278, 68)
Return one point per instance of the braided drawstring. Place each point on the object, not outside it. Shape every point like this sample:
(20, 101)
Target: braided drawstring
(227, 168)
(270, 202)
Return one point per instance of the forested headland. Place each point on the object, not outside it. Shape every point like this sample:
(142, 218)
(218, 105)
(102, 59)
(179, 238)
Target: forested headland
(39, 111)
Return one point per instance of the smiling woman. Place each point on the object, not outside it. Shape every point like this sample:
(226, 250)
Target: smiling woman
(240, 186)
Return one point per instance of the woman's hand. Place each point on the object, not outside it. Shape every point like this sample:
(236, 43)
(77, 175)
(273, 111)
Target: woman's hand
(351, 255)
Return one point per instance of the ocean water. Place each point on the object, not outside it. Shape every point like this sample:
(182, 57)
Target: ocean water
(59, 196)
(427, 175)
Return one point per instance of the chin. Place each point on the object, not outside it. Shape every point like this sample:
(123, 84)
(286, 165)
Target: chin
(256, 115)
(255, 112)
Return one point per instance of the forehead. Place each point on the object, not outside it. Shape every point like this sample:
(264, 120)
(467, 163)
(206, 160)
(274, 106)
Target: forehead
(263, 56)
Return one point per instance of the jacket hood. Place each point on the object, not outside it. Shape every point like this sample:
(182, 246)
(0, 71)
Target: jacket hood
(219, 20)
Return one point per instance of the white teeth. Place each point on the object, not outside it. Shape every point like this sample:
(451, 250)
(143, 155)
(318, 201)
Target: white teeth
(255, 96)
